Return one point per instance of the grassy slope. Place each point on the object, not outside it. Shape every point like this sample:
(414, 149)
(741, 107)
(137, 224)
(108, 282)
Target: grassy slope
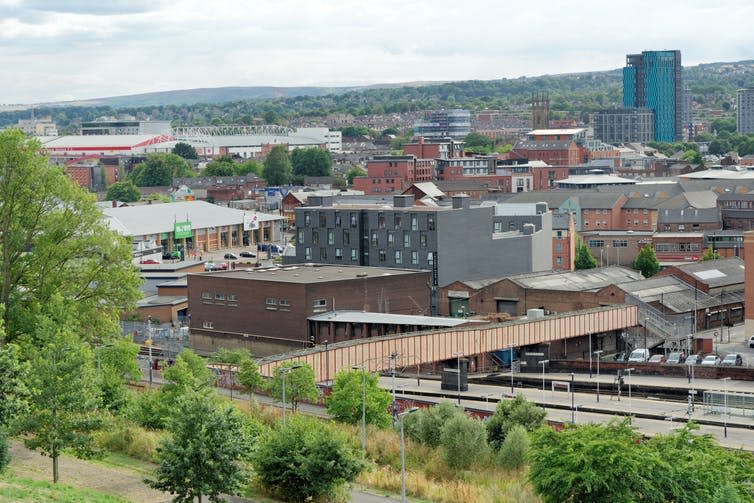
(14, 489)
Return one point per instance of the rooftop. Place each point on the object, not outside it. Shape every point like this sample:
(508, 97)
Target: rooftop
(313, 273)
(389, 319)
(583, 280)
(716, 273)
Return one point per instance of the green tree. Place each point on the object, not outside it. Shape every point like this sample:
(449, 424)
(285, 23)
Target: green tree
(463, 440)
(299, 384)
(475, 142)
(719, 147)
(185, 150)
(646, 262)
(340, 183)
(116, 368)
(55, 243)
(204, 453)
(63, 405)
(249, 168)
(249, 376)
(125, 191)
(512, 454)
(312, 161)
(584, 259)
(709, 254)
(188, 373)
(354, 172)
(13, 394)
(305, 461)
(220, 167)
(277, 166)
(425, 425)
(159, 170)
(346, 401)
(511, 413)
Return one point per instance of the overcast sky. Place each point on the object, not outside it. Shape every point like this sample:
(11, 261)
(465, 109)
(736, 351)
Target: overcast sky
(61, 50)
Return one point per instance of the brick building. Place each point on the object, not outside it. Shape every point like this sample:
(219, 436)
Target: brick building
(392, 174)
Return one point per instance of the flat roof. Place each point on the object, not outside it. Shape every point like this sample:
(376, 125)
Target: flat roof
(390, 319)
(583, 280)
(540, 132)
(314, 273)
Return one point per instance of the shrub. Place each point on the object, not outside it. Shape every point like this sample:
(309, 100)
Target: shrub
(149, 409)
(463, 439)
(425, 425)
(512, 453)
(510, 413)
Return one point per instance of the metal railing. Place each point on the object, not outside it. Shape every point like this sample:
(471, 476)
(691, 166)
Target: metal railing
(738, 404)
(672, 329)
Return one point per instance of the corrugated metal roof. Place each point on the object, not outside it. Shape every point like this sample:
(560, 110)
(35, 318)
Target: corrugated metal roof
(106, 140)
(584, 280)
(389, 319)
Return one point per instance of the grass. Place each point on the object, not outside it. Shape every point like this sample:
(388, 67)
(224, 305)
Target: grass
(13, 489)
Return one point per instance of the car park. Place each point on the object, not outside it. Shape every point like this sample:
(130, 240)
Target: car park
(732, 360)
(694, 359)
(676, 358)
(711, 360)
(175, 254)
(248, 254)
(230, 256)
(639, 355)
(656, 359)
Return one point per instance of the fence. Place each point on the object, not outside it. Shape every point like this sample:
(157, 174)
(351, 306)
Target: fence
(738, 404)
(166, 338)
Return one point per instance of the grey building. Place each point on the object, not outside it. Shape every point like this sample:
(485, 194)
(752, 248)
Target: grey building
(125, 126)
(454, 124)
(457, 242)
(624, 125)
(745, 111)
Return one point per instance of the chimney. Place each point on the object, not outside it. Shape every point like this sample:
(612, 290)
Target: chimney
(461, 201)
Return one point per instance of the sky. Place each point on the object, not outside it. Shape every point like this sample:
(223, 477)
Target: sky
(58, 50)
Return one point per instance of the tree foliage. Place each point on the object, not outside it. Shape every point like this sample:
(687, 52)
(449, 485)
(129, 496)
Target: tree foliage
(159, 170)
(305, 461)
(646, 262)
(14, 392)
(346, 401)
(64, 399)
(277, 166)
(299, 384)
(463, 440)
(511, 413)
(709, 254)
(220, 167)
(584, 258)
(204, 453)
(425, 425)
(313, 161)
(125, 191)
(512, 454)
(56, 244)
(117, 368)
(353, 172)
(185, 150)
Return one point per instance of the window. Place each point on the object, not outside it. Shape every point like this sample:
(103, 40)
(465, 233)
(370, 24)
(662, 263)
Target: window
(604, 223)
(353, 220)
(284, 302)
(208, 324)
(559, 260)
(307, 253)
(598, 211)
(232, 297)
(559, 234)
(407, 239)
(645, 211)
(620, 243)
(320, 303)
(381, 220)
(300, 238)
(414, 223)
(271, 301)
(636, 222)
(423, 239)
(646, 222)
(497, 227)
(315, 237)
(330, 237)
(415, 257)
(338, 253)
(207, 295)
(398, 257)
(219, 296)
(398, 220)
(323, 253)
(354, 255)
(307, 219)
(636, 211)
(596, 243)
(559, 248)
(430, 222)
(337, 219)
(375, 238)
(431, 258)
(322, 220)
(383, 256)
(390, 238)
(346, 237)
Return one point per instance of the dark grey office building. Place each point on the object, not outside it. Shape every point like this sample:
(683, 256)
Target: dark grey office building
(456, 242)
(624, 125)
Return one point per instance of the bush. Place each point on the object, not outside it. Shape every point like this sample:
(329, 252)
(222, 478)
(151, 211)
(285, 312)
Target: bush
(306, 460)
(149, 410)
(463, 439)
(512, 453)
(510, 413)
(425, 425)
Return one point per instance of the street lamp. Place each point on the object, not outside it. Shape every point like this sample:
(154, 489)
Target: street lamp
(458, 356)
(363, 406)
(646, 320)
(99, 360)
(573, 413)
(403, 452)
(283, 372)
(589, 334)
(598, 353)
(148, 342)
(725, 417)
(543, 363)
(394, 357)
(629, 392)
(512, 390)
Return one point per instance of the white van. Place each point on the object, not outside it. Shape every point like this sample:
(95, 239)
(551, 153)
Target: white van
(639, 355)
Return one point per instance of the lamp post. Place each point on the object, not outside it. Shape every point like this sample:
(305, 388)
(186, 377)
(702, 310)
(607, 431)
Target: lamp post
(589, 334)
(394, 358)
(629, 392)
(725, 417)
(283, 372)
(573, 410)
(646, 320)
(403, 452)
(512, 390)
(363, 406)
(543, 363)
(148, 342)
(598, 353)
(458, 356)
(99, 360)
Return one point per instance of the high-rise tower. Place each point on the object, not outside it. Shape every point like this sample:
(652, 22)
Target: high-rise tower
(745, 111)
(653, 80)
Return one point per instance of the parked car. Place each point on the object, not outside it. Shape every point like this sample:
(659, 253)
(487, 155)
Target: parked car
(220, 266)
(694, 359)
(150, 261)
(230, 256)
(639, 355)
(248, 254)
(676, 358)
(209, 266)
(732, 360)
(656, 359)
(711, 360)
(751, 341)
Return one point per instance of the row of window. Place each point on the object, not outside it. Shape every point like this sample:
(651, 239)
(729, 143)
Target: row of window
(219, 296)
(354, 254)
(674, 247)
(600, 243)
(397, 222)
